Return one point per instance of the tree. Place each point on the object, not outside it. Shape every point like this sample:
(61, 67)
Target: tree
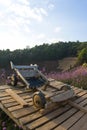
(82, 57)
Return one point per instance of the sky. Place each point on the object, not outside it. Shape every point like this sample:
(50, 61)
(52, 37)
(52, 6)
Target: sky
(27, 23)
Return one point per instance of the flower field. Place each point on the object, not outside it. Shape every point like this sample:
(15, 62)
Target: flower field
(76, 77)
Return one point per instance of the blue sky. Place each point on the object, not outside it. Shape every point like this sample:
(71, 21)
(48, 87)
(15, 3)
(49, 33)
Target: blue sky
(34, 22)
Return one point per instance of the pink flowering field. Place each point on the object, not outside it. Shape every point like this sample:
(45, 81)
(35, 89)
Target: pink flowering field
(76, 77)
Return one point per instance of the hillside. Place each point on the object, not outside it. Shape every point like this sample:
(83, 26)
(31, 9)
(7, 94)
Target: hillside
(58, 65)
(67, 63)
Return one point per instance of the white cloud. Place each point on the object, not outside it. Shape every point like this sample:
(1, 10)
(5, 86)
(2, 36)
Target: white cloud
(51, 6)
(5, 3)
(17, 18)
(19, 13)
(40, 36)
(54, 40)
(43, 11)
(27, 12)
(57, 29)
(27, 29)
(26, 2)
(14, 41)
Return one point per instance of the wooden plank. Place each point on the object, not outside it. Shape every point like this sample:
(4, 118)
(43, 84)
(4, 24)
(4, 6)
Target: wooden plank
(17, 97)
(3, 94)
(84, 126)
(81, 98)
(17, 107)
(81, 93)
(21, 93)
(11, 116)
(80, 124)
(5, 98)
(52, 121)
(60, 119)
(3, 87)
(7, 101)
(63, 96)
(79, 106)
(72, 120)
(12, 108)
(50, 79)
(50, 94)
(23, 112)
(31, 117)
(7, 105)
(57, 84)
(15, 103)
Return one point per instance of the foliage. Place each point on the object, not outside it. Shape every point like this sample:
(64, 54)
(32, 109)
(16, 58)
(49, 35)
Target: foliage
(6, 123)
(82, 57)
(84, 65)
(45, 52)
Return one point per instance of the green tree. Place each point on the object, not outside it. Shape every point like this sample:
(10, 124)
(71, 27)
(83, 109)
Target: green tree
(82, 57)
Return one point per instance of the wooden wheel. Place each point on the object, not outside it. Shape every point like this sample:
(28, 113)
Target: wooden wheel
(39, 100)
(14, 80)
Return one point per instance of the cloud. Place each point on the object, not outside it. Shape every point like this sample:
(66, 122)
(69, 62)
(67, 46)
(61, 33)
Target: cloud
(5, 3)
(12, 41)
(51, 6)
(24, 2)
(19, 14)
(41, 36)
(57, 29)
(43, 11)
(22, 10)
(21, 22)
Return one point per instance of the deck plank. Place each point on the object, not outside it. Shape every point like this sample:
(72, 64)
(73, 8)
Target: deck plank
(59, 117)
(49, 122)
(23, 111)
(72, 120)
(54, 123)
(81, 124)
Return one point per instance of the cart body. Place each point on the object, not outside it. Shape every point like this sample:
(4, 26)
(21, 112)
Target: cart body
(35, 80)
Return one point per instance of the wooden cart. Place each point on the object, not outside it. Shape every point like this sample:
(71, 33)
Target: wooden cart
(33, 79)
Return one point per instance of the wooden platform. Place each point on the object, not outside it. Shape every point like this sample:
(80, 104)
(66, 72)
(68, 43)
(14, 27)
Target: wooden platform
(55, 117)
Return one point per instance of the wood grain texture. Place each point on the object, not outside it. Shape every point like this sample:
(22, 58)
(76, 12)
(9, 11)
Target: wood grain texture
(17, 97)
(67, 116)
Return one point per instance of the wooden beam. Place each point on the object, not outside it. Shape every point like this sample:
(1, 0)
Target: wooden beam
(17, 97)
(77, 106)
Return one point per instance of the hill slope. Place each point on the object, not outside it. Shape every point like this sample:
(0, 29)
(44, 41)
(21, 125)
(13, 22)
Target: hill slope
(67, 63)
(58, 65)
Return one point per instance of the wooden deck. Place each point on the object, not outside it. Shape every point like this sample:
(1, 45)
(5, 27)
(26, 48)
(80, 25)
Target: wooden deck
(55, 117)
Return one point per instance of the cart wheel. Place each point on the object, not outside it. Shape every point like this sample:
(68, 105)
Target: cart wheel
(66, 87)
(14, 80)
(39, 100)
